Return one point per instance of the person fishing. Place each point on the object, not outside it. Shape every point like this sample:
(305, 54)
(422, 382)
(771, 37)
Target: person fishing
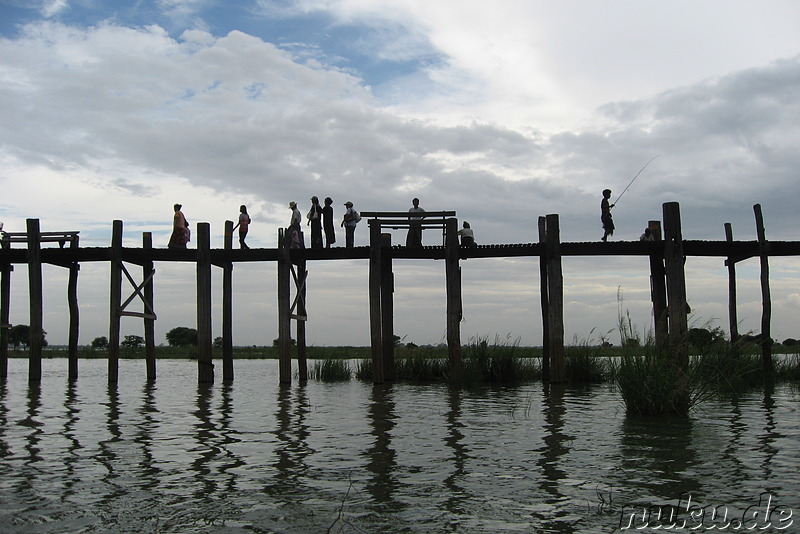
(605, 205)
(605, 215)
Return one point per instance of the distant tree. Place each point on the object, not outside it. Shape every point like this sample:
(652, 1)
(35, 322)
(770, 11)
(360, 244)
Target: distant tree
(20, 334)
(181, 336)
(132, 342)
(789, 342)
(100, 343)
(276, 342)
(218, 342)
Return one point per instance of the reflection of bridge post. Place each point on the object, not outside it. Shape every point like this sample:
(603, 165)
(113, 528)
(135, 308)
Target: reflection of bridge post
(454, 440)
(552, 450)
(381, 456)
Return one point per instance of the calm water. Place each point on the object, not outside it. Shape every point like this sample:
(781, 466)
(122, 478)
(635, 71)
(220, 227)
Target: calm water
(353, 457)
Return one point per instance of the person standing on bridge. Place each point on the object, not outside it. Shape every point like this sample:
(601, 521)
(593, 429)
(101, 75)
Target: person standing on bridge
(242, 225)
(180, 229)
(327, 222)
(349, 221)
(605, 215)
(314, 217)
(415, 216)
(294, 234)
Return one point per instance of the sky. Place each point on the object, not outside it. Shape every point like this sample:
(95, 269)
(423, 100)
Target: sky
(502, 111)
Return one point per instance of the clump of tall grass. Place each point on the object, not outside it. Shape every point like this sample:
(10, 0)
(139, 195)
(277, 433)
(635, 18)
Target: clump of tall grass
(584, 362)
(482, 362)
(331, 370)
(499, 362)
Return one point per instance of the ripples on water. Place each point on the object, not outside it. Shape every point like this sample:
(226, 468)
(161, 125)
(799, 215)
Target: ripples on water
(353, 457)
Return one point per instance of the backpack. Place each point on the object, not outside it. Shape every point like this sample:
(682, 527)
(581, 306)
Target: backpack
(356, 216)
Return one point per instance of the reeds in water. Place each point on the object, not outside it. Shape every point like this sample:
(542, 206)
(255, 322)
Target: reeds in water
(331, 370)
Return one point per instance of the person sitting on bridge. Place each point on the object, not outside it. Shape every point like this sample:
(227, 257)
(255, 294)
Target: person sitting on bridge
(467, 236)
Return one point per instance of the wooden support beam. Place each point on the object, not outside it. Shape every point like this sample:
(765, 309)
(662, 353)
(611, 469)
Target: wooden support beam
(677, 308)
(115, 301)
(766, 299)
(733, 320)
(205, 363)
(555, 295)
(35, 295)
(375, 315)
(453, 292)
(658, 286)
(300, 321)
(387, 307)
(284, 319)
(5, 309)
(543, 297)
(74, 314)
(149, 297)
(227, 308)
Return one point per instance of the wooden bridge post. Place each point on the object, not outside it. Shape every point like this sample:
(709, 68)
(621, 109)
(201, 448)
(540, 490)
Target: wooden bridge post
(284, 316)
(35, 291)
(227, 307)
(545, 303)
(115, 297)
(677, 308)
(149, 322)
(766, 299)
(205, 365)
(453, 287)
(375, 313)
(74, 313)
(658, 287)
(300, 322)
(555, 296)
(387, 306)
(733, 320)
(5, 312)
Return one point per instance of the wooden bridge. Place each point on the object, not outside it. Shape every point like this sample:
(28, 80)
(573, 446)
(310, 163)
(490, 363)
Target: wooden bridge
(668, 288)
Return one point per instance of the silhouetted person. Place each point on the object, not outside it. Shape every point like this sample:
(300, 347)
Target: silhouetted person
(647, 235)
(349, 221)
(467, 235)
(180, 229)
(314, 217)
(605, 215)
(243, 225)
(295, 233)
(327, 223)
(415, 216)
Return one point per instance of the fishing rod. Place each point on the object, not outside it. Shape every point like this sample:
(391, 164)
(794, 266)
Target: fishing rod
(635, 177)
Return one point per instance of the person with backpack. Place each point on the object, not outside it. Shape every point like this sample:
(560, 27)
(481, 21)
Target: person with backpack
(349, 221)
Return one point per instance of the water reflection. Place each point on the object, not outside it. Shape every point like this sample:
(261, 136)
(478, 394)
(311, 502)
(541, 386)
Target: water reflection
(658, 457)
(4, 448)
(551, 454)
(381, 456)
(107, 455)
(292, 434)
(72, 477)
(769, 435)
(455, 441)
(145, 429)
